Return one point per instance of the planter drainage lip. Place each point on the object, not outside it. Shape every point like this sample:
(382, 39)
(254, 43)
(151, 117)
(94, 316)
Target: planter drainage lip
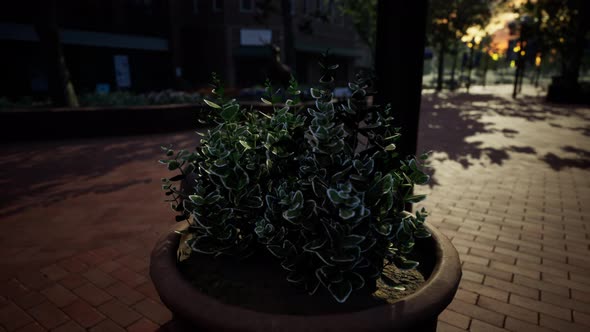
(190, 305)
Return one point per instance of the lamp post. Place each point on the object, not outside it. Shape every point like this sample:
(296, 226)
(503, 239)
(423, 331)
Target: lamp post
(471, 46)
(524, 24)
(474, 42)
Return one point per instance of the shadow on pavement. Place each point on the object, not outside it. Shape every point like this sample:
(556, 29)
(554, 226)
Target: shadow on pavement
(52, 172)
(447, 121)
(557, 163)
(451, 123)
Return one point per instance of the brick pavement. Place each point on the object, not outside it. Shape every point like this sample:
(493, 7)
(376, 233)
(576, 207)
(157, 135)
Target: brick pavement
(511, 184)
(510, 179)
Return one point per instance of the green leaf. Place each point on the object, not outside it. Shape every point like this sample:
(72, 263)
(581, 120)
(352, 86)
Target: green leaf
(173, 164)
(277, 251)
(383, 228)
(340, 291)
(388, 201)
(298, 197)
(319, 189)
(408, 226)
(253, 202)
(315, 244)
(356, 280)
(346, 213)
(268, 102)
(405, 264)
(230, 112)
(422, 179)
(178, 177)
(352, 240)
(389, 282)
(291, 215)
(334, 196)
(415, 198)
(315, 93)
(323, 256)
(343, 258)
(197, 199)
(211, 104)
(245, 144)
(422, 234)
(353, 86)
(386, 184)
(295, 277)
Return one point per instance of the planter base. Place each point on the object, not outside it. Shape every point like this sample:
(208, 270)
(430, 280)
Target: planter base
(195, 311)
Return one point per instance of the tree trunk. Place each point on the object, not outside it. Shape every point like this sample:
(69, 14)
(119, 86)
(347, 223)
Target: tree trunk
(516, 77)
(469, 67)
(454, 67)
(289, 38)
(441, 65)
(61, 88)
(485, 68)
(571, 70)
(522, 71)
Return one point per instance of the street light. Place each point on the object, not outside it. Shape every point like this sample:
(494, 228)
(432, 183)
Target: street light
(524, 24)
(472, 45)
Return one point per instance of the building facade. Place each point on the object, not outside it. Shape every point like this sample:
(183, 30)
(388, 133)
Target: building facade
(143, 45)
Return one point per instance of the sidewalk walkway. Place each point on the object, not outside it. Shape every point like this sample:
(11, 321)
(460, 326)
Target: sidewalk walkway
(511, 188)
(78, 220)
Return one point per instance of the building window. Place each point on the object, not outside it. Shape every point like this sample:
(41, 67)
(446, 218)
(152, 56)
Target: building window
(246, 6)
(195, 6)
(217, 5)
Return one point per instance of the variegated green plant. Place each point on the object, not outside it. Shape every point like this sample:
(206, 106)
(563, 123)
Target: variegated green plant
(321, 188)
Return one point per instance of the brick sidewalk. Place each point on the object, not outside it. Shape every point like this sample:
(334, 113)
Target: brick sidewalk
(78, 220)
(510, 188)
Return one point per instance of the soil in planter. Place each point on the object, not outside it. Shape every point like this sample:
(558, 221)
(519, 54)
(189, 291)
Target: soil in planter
(259, 284)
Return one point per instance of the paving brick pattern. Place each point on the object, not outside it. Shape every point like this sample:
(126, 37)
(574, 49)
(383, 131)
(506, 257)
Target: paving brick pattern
(511, 188)
(510, 183)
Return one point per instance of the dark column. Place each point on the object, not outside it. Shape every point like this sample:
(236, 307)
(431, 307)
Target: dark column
(399, 59)
(289, 37)
(441, 65)
(470, 64)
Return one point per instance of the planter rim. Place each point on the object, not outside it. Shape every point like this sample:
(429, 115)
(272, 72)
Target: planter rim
(189, 304)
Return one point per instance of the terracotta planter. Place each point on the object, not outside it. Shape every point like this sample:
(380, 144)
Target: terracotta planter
(194, 311)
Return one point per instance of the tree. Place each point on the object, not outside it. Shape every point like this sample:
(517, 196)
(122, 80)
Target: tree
(364, 18)
(265, 8)
(562, 25)
(61, 88)
(448, 22)
(286, 12)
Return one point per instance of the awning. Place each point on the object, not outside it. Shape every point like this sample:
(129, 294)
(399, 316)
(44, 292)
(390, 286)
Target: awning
(342, 51)
(26, 32)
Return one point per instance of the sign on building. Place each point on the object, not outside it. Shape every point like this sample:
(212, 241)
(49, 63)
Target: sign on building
(255, 37)
(122, 72)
